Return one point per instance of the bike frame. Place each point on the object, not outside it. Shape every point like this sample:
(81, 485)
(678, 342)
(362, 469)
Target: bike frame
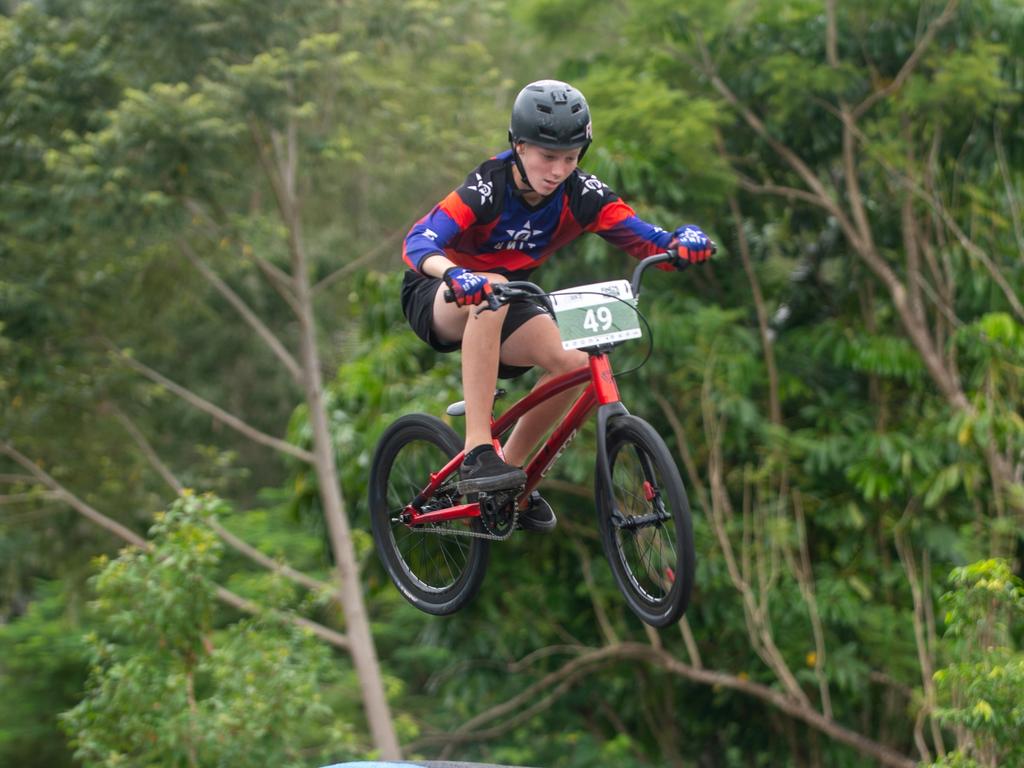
(601, 391)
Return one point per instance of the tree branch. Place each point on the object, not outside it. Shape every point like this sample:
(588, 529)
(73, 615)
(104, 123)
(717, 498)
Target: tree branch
(20, 498)
(328, 635)
(779, 190)
(825, 200)
(937, 207)
(831, 36)
(125, 534)
(805, 579)
(911, 63)
(924, 653)
(280, 280)
(243, 309)
(227, 536)
(559, 681)
(218, 413)
(143, 444)
(858, 232)
(262, 151)
(607, 630)
(691, 643)
(270, 563)
(386, 242)
(978, 253)
(1011, 193)
(767, 350)
(60, 492)
(758, 623)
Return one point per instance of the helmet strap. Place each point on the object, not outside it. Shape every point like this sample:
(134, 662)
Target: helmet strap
(521, 169)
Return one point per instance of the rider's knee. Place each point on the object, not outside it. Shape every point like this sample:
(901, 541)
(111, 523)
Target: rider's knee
(568, 360)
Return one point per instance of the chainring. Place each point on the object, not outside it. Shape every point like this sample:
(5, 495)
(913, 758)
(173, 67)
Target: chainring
(499, 512)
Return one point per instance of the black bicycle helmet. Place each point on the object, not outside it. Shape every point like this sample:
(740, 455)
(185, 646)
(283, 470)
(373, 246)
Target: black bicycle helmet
(552, 114)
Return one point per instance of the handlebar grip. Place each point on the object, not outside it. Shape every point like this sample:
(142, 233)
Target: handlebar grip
(492, 301)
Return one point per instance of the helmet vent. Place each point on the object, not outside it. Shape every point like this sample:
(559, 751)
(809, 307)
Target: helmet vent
(552, 114)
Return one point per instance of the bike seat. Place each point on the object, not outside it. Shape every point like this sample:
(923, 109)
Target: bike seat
(459, 408)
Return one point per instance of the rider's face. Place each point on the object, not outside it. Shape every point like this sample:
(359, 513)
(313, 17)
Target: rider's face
(547, 168)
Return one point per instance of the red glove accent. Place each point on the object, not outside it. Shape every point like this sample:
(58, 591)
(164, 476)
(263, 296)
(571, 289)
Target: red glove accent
(467, 287)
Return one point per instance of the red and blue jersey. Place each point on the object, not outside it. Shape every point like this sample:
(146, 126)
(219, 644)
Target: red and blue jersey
(486, 226)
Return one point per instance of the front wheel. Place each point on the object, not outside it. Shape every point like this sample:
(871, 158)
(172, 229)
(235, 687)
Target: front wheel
(437, 567)
(644, 520)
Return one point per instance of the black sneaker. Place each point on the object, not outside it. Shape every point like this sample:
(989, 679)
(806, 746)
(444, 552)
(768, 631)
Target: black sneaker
(489, 473)
(538, 516)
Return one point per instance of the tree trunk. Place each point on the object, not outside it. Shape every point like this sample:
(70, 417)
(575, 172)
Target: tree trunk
(364, 653)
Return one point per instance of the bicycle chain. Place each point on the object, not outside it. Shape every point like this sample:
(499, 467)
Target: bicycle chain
(474, 534)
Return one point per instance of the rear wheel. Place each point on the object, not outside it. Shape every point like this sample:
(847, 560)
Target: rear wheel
(436, 567)
(644, 520)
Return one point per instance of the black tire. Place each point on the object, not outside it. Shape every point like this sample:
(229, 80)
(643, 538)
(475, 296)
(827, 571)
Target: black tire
(653, 564)
(438, 573)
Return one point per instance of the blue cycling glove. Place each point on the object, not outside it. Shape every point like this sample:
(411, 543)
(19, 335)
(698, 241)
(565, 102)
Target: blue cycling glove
(691, 246)
(467, 287)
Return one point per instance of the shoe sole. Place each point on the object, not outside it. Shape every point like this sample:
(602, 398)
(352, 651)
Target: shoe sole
(536, 526)
(528, 523)
(507, 482)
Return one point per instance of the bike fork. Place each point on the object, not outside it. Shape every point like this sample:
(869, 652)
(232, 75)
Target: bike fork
(610, 407)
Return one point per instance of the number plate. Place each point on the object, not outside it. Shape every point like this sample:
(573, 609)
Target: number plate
(601, 313)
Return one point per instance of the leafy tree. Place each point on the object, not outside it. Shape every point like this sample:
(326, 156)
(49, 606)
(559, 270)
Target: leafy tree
(43, 666)
(171, 683)
(841, 386)
(980, 688)
(164, 168)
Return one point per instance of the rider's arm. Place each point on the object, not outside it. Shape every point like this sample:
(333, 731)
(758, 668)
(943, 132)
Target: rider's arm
(619, 225)
(426, 241)
(443, 229)
(599, 209)
(435, 265)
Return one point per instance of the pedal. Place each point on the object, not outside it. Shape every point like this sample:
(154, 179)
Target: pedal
(498, 511)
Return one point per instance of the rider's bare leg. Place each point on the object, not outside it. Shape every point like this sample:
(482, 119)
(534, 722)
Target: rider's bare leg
(537, 342)
(481, 339)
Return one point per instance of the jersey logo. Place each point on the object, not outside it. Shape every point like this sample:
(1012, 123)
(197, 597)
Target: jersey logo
(430, 234)
(520, 238)
(484, 188)
(593, 184)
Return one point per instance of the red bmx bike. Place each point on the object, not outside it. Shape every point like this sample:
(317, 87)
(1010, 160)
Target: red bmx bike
(435, 543)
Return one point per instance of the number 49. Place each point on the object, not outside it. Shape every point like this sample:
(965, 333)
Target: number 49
(598, 320)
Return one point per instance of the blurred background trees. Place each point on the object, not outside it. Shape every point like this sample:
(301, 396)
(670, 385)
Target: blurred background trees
(842, 386)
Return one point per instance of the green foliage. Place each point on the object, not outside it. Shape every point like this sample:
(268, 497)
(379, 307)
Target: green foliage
(131, 127)
(170, 684)
(43, 664)
(980, 687)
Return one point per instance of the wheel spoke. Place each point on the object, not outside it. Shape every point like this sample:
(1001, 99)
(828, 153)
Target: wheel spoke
(648, 550)
(434, 562)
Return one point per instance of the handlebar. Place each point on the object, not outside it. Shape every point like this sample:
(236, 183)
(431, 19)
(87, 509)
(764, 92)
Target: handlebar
(503, 293)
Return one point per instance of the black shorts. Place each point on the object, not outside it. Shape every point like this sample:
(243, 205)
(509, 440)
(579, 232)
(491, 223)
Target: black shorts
(418, 292)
